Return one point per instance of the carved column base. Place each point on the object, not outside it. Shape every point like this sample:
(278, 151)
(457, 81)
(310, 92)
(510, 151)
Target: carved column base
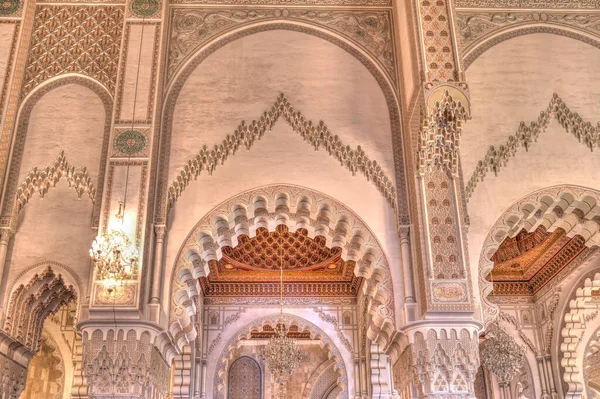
(440, 362)
(132, 364)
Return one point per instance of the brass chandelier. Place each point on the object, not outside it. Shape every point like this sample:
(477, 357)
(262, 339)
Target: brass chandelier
(282, 353)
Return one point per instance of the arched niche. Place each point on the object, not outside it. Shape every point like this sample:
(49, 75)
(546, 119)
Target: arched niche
(56, 174)
(244, 379)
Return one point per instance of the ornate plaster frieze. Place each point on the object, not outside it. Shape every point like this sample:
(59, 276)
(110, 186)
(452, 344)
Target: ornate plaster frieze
(317, 135)
(539, 4)
(480, 30)
(371, 29)
(269, 207)
(75, 39)
(570, 208)
(526, 135)
(260, 301)
(309, 3)
(43, 180)
(316, 333)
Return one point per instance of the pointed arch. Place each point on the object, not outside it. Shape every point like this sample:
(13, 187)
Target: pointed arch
(178, 81)
(10, 204)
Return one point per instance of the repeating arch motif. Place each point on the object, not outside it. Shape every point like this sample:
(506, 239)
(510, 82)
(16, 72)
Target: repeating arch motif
(27, 106)
(580, 324)
(569, 207)
(268, 207)
(316, 333)
(30, 304)
(178, 81)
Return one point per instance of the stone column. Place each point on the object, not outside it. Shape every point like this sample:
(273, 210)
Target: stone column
(5, 235)
(379, 374)
(159, 231)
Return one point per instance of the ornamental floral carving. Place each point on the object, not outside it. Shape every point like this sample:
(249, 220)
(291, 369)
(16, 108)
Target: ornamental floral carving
(317, 135)
(539, 4)
(497, 157)
(42, 180)
(371, 29)
(75, 39)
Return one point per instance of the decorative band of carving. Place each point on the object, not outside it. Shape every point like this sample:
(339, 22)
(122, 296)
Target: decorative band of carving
(572, 122)
(317, 135)
(42, 180)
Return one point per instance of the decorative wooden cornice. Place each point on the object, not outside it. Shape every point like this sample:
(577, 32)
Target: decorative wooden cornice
(498, 157)
(319, 135)
(42, 180)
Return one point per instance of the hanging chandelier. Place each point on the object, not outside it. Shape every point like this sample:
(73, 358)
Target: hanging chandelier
(114, 257)
(501, 354)
(282, 353)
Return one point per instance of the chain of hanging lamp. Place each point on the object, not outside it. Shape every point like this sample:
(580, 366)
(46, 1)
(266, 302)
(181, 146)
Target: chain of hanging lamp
(115, 257)
(282, 353)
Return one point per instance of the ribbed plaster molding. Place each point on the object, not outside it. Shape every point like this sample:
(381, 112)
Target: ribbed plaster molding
(496, 158)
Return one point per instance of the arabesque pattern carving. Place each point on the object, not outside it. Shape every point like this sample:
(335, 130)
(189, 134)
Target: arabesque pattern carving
(525, 136)
(541, 4)
(75, 39)
(125, 365)
(445, 362)
(319, 135)
(42, 180)
(437, 41)
(476, 27)
(245, 379)
(380, 3)
(371, 29)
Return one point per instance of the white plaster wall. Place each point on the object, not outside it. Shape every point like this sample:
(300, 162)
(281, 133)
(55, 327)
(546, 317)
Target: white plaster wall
(57, 228)
(69, 118)
(298, 163)
(513, 82)
(243, 79)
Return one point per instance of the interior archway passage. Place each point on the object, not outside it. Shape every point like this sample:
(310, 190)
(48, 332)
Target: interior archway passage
(310, 268)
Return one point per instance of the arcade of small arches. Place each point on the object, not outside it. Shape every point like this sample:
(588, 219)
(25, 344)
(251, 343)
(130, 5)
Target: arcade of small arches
(385, 180)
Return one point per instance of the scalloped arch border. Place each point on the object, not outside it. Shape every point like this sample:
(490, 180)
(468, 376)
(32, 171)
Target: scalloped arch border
(270, 206)
(303, 324)
(478, 48)
(186, 69)
(18, 145)
(531, 211)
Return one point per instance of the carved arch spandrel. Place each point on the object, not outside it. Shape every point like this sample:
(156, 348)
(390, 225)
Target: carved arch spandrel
(268, 207)
(571, 208)
(203, 52)
(10, 204)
